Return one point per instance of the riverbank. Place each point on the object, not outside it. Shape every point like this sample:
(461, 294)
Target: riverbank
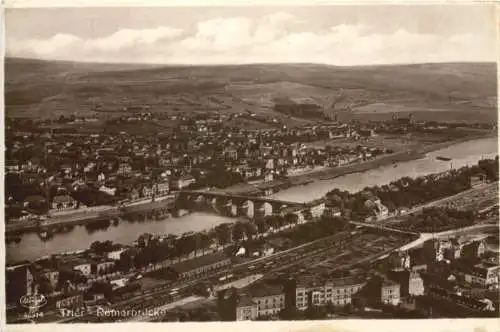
(88, 215)
(385, 160)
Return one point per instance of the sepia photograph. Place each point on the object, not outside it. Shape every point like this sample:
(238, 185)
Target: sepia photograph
(250, 163)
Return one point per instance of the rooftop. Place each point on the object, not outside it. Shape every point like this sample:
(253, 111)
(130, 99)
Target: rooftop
(265, 290)
(245, 301)
(195, 263)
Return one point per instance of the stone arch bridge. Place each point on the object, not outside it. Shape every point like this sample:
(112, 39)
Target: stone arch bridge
(238, 205)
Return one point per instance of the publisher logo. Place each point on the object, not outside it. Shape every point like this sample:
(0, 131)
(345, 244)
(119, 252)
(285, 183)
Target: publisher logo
(34, 301)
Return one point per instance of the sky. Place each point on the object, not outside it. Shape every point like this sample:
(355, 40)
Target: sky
(333, 34)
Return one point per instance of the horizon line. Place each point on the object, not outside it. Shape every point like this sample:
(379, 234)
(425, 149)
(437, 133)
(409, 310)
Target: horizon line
(243, 64)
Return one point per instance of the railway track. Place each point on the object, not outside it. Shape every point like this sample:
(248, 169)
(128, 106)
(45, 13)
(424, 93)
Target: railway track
(263, 265)
(287, 262)
(310, 253)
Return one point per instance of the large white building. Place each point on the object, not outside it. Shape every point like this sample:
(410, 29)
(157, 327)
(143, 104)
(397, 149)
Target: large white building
(337, 292)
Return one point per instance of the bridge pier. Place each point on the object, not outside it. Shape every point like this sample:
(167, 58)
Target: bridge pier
(233, 210)
(246, 209)
(200, 201)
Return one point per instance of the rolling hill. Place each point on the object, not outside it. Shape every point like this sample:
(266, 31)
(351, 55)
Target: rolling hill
(451, 91)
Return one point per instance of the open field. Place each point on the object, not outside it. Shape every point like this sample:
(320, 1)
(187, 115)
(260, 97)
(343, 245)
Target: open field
(451, 92)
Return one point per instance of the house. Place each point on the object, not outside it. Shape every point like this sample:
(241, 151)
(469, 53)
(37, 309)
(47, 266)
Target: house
(335, 211)
(107, 190)
(134, 194)
(163, 188)
(200, 266)
(452, 249)
(182, 182)
(124, 169)
(72, 300)
(52, 276)
(148, 190)
(268, 177)
(231, 153)
(390, 292)
(434, 250)
(399, 259)
(11, 166)
(118, 283)
(84, 266)
(246, 309)
(336, 291)
(483, 274)
(457, 303)
(317, 208)
(473, 250)
(62, 202)
(375, 205)
(269, 164)
(116, 254)
(411, 283)
(270, 299)
(102, 267)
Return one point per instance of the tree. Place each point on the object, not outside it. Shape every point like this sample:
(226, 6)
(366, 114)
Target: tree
(238, 231)
(250, 230)
(45, 286)
(223, 234)
(203, 241)
(291, 219)
(262, 226)
(125, 263)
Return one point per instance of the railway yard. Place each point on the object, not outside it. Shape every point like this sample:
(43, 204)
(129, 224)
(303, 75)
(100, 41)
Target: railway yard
(340, 251)
(478, 198)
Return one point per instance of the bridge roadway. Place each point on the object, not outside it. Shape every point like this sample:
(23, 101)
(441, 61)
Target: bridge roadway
(258, 199)
(383, 228)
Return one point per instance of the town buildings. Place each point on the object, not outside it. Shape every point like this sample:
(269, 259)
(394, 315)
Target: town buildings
(193, 268)
(483, 274)
(336, 292)
(390, 292)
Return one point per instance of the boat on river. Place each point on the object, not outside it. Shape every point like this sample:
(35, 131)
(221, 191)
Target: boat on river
(443, 158)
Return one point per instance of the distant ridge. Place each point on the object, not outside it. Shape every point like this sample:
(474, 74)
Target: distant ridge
(44, 88)
(140, 65)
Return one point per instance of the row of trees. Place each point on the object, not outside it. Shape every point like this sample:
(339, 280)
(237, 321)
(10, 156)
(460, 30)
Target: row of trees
(152, 250)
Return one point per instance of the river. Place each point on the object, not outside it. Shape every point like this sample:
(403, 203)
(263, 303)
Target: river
(462, 154)
(31, 246)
